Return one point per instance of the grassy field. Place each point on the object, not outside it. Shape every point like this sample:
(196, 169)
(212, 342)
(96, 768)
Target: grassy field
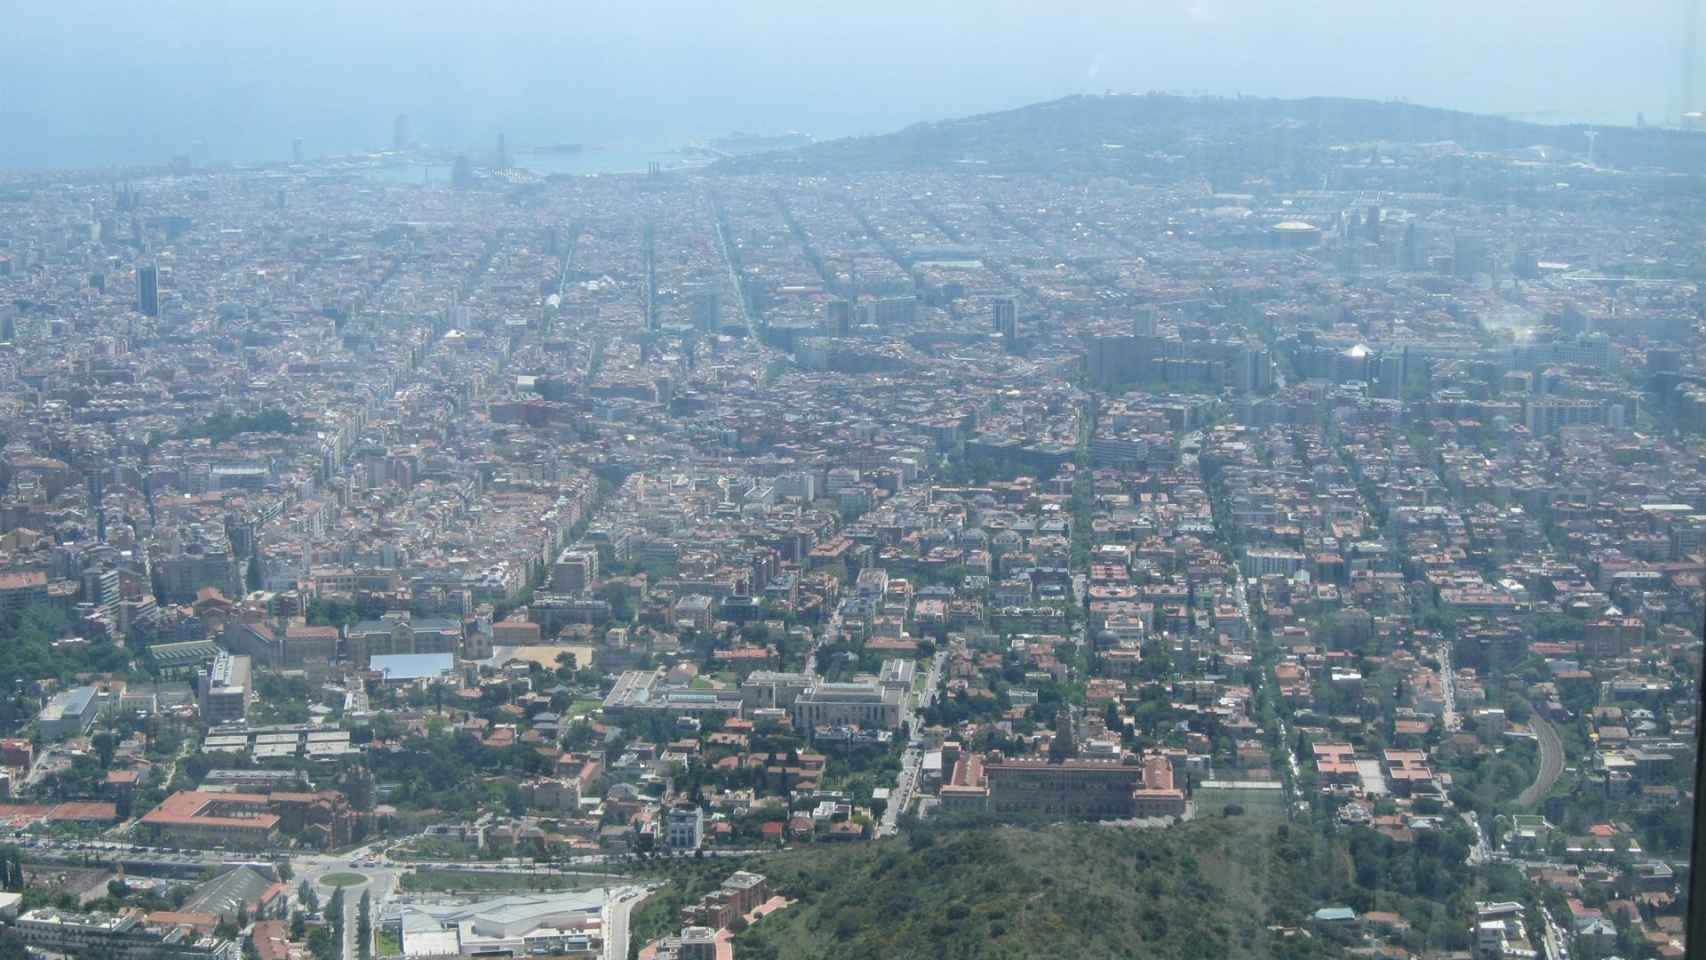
(388, 944)
(438, 848)
(463, 881)
(1264, 803)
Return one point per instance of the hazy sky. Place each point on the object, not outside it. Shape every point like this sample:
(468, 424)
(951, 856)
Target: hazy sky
(128, 80)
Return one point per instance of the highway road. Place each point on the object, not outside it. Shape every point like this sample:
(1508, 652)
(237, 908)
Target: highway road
(1551, 758)
(725, 248)
(617, 917)
(348, 949)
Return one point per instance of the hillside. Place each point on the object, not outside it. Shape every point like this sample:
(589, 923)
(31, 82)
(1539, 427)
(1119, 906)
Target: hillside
(1218, 887)
(1208, 889)
(1122, 134)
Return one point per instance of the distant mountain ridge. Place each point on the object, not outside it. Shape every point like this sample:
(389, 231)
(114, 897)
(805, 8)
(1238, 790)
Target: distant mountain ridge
(1089, 128)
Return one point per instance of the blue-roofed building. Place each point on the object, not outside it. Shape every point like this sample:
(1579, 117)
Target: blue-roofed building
(69, 714)
(409, 667)
(1334, 918)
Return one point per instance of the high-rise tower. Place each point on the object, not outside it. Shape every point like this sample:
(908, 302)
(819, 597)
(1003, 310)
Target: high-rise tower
(1005, 313)
(148, 290)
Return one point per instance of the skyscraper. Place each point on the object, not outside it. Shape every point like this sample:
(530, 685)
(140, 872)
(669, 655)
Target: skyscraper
(296, 150)
(1143, 324)
(1006, 311)
(462, 173)
(840, 314)
(704, 305)
(400, 133)
(148, 290)
(1469, 254)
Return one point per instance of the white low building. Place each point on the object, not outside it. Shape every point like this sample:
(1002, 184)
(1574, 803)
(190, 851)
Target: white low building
(559, 924)
(847, 704)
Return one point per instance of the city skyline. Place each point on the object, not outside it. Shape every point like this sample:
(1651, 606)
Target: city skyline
(1248, 526)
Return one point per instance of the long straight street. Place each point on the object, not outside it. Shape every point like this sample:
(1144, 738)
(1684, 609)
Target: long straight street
(912, 761)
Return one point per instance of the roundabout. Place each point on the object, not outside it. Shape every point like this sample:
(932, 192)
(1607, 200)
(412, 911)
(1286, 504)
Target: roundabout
(343, 879)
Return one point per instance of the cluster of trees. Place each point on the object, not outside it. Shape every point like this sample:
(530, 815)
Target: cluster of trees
(689, 880)
(333, 612)
(335, 918)
(964, 886)
(1489, 784)
(758, 633)
(27, 654)
(224, 425)
(80, 780)
(445, 770)
(959, 468)
(364, 927)
(286, 697)
(841, 661)
(121, 896)
(623, 600)
(959, 708)
(321, 946)
(964, 708)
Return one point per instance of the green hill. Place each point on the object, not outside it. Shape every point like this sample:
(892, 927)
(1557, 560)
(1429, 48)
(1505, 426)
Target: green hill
(1209, 889)
(1218, 887)
(1163, 136)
